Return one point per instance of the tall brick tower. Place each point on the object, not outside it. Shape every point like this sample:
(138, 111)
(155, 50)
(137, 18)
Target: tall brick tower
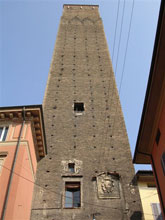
(88, 171)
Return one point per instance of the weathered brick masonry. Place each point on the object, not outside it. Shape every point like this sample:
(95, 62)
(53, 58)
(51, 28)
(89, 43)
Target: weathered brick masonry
(94, 140)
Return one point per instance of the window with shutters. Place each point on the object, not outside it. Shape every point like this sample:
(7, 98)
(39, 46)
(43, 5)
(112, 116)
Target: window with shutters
(2, 159)
(72, 195)
(156, 211)
(163, 162)
(3, 133)
(158, 136)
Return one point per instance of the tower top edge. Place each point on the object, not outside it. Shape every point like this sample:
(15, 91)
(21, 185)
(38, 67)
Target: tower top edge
(78, 5)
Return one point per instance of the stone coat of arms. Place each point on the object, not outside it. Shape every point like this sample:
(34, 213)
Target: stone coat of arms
(108, 186)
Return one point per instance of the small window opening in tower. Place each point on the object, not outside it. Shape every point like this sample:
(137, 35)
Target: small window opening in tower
(71, 167)
(78, 106)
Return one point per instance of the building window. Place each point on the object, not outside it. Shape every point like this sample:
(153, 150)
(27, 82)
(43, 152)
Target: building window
(72, 195)
(156, 211)
(2, 158)
(71, 167)
(158, 136)
(151, 185)
(3, 133)
(163, 162)
(78, 106)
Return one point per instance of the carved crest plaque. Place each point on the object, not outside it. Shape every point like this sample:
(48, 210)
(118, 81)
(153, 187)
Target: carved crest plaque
(108, 186)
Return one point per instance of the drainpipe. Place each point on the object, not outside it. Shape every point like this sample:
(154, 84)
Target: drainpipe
(13, 167)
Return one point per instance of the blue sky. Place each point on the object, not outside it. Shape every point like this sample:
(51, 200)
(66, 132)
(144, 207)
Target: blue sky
(28, 33)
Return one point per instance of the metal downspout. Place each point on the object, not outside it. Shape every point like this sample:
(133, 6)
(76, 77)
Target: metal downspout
(13, 167)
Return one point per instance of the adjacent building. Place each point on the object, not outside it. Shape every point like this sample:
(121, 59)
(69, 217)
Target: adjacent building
(150, 147)
(22, 146)
(88, 171)
(149, 195)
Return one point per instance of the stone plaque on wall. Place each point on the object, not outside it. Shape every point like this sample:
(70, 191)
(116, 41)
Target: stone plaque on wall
(108, 186)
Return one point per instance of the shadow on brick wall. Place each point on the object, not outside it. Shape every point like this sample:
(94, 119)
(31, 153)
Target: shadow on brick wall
(136, 216)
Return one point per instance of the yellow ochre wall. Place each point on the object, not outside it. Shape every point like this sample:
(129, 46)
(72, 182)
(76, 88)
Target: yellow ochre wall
(148, 195)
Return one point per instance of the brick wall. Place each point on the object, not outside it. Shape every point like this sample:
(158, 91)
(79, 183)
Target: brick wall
(81, 71)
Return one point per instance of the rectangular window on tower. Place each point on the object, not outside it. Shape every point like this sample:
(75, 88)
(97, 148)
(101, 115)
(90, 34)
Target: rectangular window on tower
(78, 106)
(72, 195)
(3, 133)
